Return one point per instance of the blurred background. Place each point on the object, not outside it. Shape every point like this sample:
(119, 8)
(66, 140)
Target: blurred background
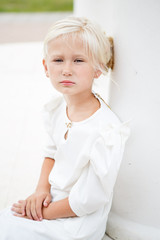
(28, 20)
(36, 5)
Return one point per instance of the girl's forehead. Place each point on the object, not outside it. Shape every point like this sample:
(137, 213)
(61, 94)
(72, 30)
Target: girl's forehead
(68, 42)
(65, 41)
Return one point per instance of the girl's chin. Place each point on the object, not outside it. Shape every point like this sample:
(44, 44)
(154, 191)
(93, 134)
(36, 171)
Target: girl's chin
(66, 90)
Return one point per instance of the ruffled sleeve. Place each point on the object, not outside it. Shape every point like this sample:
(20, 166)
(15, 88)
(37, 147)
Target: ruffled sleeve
(95, 186)
(48, 120)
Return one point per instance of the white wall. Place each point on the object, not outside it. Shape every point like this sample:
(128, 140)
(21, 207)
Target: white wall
(135, 26)
(92, 9)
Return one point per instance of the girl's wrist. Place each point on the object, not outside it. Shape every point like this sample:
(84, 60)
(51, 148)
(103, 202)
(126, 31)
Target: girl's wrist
(46, 213)
(43, 189)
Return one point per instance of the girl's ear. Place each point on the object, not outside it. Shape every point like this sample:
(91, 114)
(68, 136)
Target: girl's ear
(97, 74)
(45, 67)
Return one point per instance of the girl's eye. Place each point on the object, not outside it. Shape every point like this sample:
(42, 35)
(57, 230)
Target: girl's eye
(79, 60)
(58, 60)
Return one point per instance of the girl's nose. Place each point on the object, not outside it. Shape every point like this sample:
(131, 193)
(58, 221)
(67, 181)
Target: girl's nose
(67, 70)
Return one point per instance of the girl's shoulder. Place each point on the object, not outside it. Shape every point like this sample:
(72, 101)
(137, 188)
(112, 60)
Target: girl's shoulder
(54, 103)
(108, 116)
(106, 113)
(110, 125)
(51, 109)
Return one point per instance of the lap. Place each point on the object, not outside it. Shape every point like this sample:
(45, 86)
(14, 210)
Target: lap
(16, 228)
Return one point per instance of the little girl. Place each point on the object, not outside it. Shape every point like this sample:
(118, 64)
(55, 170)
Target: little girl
(84, 147)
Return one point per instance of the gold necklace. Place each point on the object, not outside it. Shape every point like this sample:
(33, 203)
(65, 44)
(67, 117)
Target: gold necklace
(102, 99)
(69, 125)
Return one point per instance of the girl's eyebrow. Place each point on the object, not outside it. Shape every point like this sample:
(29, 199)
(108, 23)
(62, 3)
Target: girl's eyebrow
(56, 55)
(78, 55)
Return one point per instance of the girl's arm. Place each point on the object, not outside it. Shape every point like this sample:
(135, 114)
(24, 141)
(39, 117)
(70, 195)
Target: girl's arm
(43, 183)
(42, 196)
(59, 209)
(32, 206)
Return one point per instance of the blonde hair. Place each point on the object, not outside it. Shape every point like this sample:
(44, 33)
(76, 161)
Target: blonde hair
(98, 46)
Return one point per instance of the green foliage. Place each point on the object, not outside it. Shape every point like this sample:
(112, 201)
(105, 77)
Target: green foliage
(35, 5)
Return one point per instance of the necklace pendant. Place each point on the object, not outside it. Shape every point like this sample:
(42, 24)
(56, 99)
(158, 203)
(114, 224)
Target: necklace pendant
(69, 125)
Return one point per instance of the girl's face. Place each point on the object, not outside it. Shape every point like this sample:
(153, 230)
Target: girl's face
(68, 67)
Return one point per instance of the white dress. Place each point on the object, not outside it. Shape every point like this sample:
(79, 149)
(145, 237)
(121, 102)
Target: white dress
(85, 171)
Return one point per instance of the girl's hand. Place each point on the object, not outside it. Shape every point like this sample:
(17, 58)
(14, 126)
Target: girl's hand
(35, 203)
(19, 208)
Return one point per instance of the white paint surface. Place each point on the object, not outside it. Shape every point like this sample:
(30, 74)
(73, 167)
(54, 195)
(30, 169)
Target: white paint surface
(135, 27)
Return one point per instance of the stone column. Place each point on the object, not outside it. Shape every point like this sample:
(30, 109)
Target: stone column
(135, 27)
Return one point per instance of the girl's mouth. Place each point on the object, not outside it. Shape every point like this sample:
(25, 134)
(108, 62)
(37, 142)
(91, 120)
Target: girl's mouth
(67, 82)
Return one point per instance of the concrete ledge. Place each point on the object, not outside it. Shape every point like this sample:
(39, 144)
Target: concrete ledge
(106, 238)
(123, 229)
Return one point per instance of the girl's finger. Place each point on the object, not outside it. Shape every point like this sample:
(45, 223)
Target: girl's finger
(28, 210)
(47, 201)
(39, 210)
(23, 206)
(16, 205)
(16, 209)
(33, 211)
(19, 207)
(17, 215)
(22, 202)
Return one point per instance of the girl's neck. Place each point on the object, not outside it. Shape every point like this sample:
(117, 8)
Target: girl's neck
(78, 100)
(81, 107)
